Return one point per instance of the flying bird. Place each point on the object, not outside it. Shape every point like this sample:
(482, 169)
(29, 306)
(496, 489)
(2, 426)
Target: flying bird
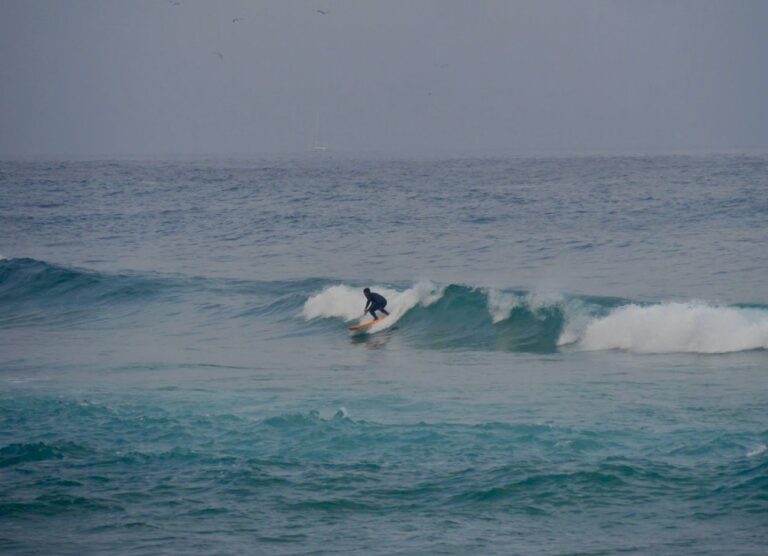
(220, 55)
(238, 19)
(174, 3)
(321, 12)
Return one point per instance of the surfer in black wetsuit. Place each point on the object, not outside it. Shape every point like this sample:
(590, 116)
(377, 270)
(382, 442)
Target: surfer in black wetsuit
(376, 302)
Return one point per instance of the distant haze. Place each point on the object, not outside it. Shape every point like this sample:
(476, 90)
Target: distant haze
(116, 77)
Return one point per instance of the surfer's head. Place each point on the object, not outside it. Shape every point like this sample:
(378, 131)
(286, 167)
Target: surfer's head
(366, 291)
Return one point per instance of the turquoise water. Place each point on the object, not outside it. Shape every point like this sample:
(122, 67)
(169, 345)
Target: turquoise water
(575, 362)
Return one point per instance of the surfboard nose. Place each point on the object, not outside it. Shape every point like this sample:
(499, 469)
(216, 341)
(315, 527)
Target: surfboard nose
(366, 324)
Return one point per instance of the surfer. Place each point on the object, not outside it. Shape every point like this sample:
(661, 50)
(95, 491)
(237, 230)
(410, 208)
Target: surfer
(376, 302)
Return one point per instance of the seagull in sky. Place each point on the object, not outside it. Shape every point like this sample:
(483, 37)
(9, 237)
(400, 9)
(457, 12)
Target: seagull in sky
(237, 19)
(322, 12)
(220, 55)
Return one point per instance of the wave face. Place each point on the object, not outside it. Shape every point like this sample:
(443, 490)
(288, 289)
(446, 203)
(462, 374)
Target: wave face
(38, 293)
(459, 317)
(28, 279)
(425, 315)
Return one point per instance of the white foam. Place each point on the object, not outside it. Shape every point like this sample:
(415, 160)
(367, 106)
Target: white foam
(339, 301)
(674, 327)
(757, 450)
(501, 304)
(347, 303)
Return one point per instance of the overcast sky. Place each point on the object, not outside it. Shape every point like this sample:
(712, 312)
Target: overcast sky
(160, 77)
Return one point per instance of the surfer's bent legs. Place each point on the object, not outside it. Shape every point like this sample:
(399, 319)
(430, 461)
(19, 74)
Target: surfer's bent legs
(375, 308)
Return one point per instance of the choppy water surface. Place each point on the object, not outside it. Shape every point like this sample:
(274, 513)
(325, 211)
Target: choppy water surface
(575, 361)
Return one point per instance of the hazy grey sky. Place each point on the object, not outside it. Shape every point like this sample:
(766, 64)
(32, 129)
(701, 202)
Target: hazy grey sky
(164, 77)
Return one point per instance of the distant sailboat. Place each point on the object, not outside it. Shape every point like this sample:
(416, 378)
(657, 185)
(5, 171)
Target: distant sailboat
(318, 146)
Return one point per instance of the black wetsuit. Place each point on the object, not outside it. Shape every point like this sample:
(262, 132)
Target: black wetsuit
(376, 302)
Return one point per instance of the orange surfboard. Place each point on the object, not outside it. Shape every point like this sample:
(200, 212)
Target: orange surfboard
(366, 324)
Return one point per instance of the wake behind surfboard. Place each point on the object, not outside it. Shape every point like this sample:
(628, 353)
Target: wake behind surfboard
(365, 325)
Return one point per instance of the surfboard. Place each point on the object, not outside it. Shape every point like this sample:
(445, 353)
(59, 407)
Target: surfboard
(366, 324)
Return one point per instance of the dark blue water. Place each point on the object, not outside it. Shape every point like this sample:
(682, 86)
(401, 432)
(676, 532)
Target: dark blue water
(576, 360)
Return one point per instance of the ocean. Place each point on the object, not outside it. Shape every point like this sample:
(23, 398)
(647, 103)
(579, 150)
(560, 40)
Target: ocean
(576, 360)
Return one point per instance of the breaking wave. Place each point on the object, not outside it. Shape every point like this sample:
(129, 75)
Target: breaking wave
(463, 317)
(424, 315)
(676, 327)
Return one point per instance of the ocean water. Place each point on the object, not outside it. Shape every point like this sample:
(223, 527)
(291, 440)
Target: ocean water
(576, 360)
